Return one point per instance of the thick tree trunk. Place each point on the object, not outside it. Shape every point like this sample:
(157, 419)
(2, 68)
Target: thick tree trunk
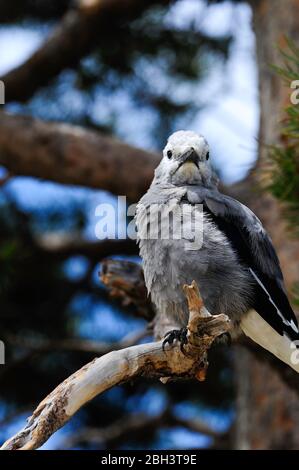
(273, 22)
(273, 408)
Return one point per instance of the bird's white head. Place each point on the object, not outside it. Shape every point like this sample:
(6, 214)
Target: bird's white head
(185, 160)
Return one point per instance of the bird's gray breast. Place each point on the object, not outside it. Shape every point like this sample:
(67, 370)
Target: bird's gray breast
(186, 245)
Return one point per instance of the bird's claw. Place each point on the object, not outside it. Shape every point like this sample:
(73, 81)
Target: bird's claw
(176, 335)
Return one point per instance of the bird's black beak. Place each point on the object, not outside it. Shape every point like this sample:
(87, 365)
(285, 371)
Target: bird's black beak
(189, 156)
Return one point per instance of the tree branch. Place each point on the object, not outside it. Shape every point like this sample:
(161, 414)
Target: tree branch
(78, 32)
(75, 344)
(62, 246)
(120, 366)
(73, 155)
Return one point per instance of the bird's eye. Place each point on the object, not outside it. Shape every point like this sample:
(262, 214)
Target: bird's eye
(169, 154)
(207, 155)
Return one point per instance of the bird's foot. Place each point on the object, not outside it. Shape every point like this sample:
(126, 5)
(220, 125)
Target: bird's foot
(176, 335)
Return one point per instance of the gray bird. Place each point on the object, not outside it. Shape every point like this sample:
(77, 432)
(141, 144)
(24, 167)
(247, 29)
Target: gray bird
(187, 230)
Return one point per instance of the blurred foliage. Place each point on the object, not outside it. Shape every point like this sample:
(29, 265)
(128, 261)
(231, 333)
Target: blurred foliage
(285, 177)
(285, 174)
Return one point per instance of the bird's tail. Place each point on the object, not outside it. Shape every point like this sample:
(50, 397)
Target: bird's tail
(254, 326)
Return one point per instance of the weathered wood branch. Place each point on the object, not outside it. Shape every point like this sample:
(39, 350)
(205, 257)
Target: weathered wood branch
(101, 374)
(79, 31)
(73, 155)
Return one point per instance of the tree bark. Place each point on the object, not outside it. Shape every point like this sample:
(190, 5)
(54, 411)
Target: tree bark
(243, 389)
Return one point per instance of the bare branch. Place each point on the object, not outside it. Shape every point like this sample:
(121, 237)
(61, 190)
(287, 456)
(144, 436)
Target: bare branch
(120, 366)
(73, 155)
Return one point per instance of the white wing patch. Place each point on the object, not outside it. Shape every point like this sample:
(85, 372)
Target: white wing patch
(284, 320)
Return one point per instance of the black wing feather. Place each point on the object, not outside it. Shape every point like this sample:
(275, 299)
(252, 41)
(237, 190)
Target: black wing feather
(255, 250)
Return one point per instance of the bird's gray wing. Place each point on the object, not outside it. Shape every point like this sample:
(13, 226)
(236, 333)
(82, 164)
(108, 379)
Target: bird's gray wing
(255, 250)
(247, 226)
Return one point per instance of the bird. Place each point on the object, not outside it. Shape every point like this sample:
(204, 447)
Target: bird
(221, 245)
